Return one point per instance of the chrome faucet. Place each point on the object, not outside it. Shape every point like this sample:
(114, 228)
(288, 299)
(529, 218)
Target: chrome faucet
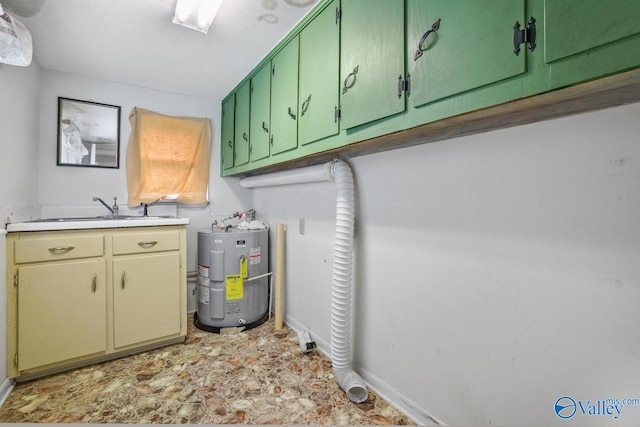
(114, 210)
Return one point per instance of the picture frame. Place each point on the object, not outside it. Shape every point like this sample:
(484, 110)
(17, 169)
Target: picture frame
(88, 134)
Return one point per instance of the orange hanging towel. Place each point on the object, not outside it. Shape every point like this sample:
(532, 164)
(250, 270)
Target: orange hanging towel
(167, 158)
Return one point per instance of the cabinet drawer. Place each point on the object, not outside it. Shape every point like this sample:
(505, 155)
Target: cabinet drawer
(58, 248)
(133, 243)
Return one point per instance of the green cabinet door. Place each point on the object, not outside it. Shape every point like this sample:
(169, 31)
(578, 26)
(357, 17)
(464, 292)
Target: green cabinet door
(241, 137)
(457, 46)
(284, 99)
(259, 116)
(226, 135)
(319, 80)
(586, 39)
(372, 60)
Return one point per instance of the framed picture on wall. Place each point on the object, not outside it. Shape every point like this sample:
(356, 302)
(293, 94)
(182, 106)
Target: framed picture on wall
(88, 134)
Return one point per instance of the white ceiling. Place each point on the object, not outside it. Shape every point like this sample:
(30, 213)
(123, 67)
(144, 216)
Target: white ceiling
(135, 42)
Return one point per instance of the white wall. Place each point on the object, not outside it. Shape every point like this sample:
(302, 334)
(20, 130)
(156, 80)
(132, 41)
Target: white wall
(495, 273)
(18, 162)
(76, 186)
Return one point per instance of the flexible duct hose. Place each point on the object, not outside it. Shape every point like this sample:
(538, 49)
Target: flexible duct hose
(349, 381)
(338, 171)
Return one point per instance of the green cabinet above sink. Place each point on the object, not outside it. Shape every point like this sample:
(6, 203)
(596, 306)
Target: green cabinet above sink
(361, 76)
(260, 114)
(372, 61)
(284, 99)
(241, 132)
(586, 39)
(457, 46)
(318, 97)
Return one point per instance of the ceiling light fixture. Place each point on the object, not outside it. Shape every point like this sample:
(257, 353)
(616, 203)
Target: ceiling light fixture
(196, 14)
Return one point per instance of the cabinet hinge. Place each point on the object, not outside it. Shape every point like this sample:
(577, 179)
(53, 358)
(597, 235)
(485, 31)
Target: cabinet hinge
(337, 114)
(16, 279)
(15, 360)
(250, 149)
(338, 15)
(526, 35)
(404, 85)
(273, 70)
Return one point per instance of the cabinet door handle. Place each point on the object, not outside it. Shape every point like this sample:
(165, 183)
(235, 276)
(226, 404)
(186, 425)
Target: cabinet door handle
(305, 106)
(264, 127)
(122, 280)
(293, 116)
(61, 249)
(434, 28)
(148, 244)
(350, 80)
(94, 283)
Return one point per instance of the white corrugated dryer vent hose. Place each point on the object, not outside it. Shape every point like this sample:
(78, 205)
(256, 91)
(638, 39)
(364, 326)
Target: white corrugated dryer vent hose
(337, 171)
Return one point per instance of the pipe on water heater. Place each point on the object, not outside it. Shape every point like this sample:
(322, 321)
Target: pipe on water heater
(340, 172)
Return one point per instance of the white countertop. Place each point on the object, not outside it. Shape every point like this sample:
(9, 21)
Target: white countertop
(84, 224)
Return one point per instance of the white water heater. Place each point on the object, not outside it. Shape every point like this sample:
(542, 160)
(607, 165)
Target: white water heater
(230, 291)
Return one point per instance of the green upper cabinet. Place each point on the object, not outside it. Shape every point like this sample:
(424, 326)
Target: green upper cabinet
(457, 46)
(318, 96)
(372, 60)
(241, 133)
(284, 98)
(586, 39)
(226, 136)
(260, 113)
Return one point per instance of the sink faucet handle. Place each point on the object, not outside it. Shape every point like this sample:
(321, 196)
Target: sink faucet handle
(115, 205)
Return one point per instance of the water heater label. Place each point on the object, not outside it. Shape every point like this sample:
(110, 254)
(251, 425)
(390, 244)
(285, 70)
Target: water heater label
(244, 269)
(254, 256)
(235, 289)
(203, 271)
(203, 294)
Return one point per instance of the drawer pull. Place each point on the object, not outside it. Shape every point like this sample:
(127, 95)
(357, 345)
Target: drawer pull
(61, 249)
(122, 280)
(148, 244)
(94, 283)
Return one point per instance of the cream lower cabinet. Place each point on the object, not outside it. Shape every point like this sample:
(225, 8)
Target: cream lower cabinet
(83, 296)
(61, 312)
(146, 301)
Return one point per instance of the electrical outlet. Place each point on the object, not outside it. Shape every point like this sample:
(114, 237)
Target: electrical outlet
(301, 225)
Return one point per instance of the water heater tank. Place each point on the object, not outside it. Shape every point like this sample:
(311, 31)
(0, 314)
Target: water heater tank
(229, 294)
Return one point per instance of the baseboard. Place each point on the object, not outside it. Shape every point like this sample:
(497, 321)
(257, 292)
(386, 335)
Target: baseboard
(5, 389)
(380, 387)
(400, 402)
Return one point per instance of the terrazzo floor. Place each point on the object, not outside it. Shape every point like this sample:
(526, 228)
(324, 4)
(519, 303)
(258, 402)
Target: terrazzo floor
(258, 376)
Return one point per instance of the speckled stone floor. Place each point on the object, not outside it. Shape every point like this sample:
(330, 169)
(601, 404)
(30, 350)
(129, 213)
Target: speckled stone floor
(258, 376)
